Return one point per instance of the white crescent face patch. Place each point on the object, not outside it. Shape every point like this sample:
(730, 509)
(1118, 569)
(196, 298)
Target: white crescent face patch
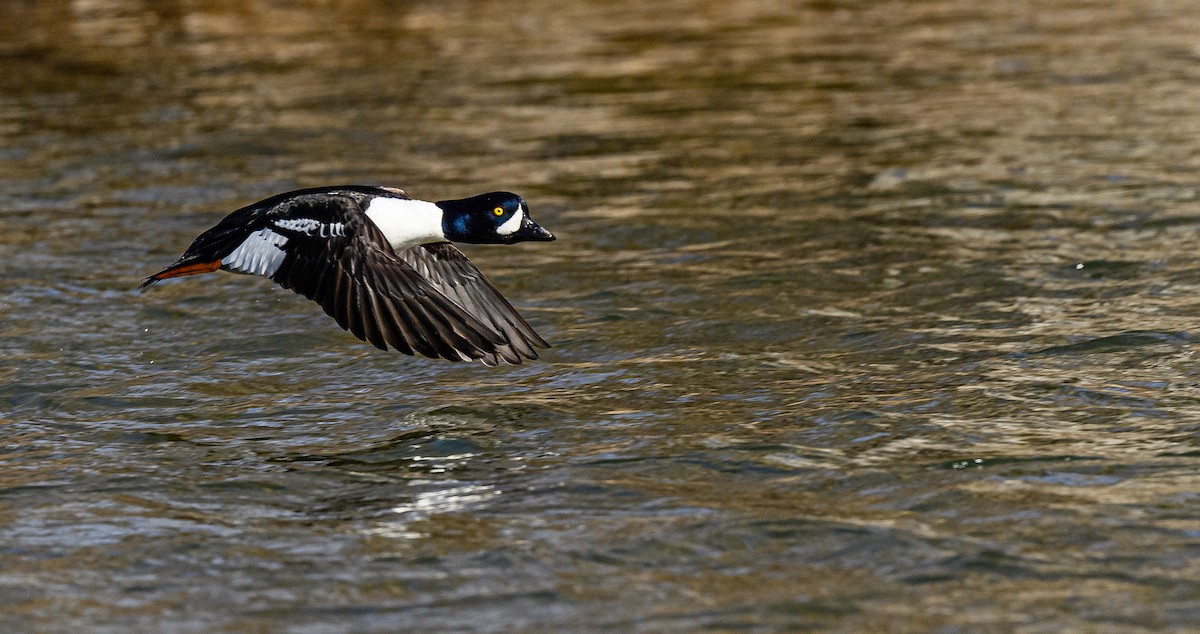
(260, 253)
(511, 225)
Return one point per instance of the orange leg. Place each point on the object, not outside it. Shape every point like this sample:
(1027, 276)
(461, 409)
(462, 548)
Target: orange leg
(194, 268)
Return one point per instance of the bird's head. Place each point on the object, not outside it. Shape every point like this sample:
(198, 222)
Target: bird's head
(492, 218)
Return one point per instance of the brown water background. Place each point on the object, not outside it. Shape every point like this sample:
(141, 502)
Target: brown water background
(867, 316)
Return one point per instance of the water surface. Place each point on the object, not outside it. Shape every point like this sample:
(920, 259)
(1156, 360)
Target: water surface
(866, 315)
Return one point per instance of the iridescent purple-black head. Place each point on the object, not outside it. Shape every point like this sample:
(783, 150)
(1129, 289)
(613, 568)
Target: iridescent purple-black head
(492, 218)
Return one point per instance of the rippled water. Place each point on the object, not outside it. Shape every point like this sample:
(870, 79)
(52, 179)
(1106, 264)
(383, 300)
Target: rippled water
(867, 315)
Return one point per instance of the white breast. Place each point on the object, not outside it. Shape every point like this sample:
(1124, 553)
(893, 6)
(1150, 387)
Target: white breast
(407, 223)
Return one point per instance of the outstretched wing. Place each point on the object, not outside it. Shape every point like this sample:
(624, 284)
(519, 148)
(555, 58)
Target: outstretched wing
(335, 256)
(456, 277)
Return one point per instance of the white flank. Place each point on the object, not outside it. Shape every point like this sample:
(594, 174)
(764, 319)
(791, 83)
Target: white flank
(511, 225)
(309, 227)
(259, 254)
(407, 223)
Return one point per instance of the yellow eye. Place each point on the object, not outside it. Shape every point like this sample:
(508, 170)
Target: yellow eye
(499, 211)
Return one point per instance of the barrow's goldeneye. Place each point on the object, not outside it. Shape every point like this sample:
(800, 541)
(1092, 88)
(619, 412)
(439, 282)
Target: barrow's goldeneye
(382, 265)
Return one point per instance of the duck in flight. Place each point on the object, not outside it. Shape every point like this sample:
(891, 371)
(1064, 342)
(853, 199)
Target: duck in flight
(381, 264)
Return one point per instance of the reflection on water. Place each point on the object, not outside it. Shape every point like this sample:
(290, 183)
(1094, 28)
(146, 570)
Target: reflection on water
(864, 314)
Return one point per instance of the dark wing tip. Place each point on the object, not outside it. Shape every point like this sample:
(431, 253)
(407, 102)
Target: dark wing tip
(457, 278)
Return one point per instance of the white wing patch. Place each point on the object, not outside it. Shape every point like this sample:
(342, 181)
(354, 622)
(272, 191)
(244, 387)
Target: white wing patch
(259, 254)
(308, 226)
(511, 225)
